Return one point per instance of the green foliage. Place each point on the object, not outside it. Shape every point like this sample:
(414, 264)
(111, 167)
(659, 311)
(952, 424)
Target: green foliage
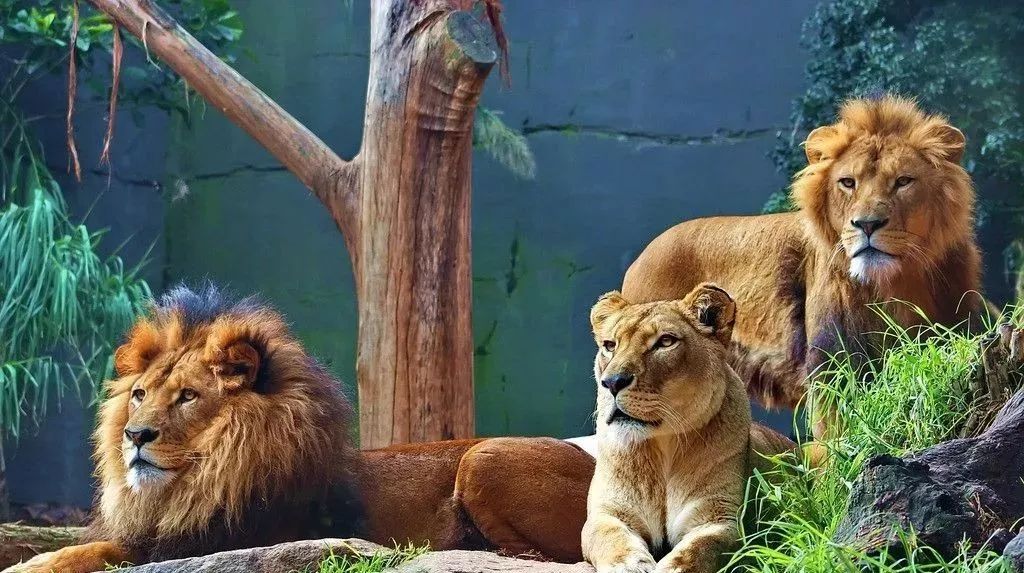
(62, 304)
(956, 57)
(373, 564)
(915, 400)
(41, 30)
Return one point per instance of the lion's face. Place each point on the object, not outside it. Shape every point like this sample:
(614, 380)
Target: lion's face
(172, 404)
(884, 189)
(216, 410)
(661, 367)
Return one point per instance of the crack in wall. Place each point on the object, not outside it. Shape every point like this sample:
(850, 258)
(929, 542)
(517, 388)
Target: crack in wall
(719, 137)
(158, 185)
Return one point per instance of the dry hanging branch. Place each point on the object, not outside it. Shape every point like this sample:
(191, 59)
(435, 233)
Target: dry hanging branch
(114, 87)
(72, 89)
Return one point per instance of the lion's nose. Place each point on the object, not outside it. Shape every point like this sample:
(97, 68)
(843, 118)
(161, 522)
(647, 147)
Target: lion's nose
(869, 225)
(141, 436)
(616, 382)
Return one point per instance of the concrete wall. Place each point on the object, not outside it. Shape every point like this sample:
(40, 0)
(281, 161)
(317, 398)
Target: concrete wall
(640, 115)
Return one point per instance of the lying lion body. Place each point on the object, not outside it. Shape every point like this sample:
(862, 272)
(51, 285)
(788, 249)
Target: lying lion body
(886, 215)
(221, 432)
(675, 443)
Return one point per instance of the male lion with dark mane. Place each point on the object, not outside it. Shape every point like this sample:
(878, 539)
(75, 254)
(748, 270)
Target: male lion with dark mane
(221, 432)
(885, 215)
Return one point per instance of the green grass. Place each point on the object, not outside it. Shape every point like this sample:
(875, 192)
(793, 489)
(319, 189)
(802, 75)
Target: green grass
(372, 563)
(917, 398)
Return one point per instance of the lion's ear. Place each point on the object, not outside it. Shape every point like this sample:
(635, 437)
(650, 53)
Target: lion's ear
(143, 345)
(951, 142)
(235, 365)
(607, 305)
(713, 309)
(813, 144)
(124, 361)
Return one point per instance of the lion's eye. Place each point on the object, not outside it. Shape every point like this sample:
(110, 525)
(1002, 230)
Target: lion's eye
(666, 340)
(608, 345)
(847, 183)
(903, 181)
(138, 394)
(187, 395)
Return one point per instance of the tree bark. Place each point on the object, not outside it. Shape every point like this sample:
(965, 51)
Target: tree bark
(402, 205)
(21, 542)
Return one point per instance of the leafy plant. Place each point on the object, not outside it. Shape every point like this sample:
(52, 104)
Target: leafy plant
(62, 304)
(958, 58)
(915, 398)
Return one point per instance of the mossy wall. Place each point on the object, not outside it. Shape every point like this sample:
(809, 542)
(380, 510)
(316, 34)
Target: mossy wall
(640, 115)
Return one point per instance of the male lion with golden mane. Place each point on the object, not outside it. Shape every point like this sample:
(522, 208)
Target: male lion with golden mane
(885, 215)
(221, 432)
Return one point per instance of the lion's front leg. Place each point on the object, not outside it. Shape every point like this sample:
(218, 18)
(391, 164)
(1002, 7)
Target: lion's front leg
(75, 559)
(700, 550)
(611, 546)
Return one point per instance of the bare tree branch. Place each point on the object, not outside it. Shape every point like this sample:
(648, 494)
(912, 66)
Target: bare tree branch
(298, 149)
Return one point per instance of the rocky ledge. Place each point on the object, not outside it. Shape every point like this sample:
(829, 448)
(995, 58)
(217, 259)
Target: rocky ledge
(306, 555)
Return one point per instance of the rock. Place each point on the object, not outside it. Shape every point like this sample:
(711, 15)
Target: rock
(1014, 551)
(969, 487)
(306, 555)
(483, 562)
(293, 556)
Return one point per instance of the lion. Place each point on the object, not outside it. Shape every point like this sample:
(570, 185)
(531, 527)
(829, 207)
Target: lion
(885, 220)
(675, 439)
(220, 432)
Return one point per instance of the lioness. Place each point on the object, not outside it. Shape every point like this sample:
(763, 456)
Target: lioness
(885, 215)
(675, 439)
(221, 432)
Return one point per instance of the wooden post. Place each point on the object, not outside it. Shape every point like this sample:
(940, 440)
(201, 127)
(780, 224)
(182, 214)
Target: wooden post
(402, 204)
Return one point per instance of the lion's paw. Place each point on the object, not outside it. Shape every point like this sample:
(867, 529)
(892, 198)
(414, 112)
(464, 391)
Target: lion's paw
(39, 564)
(632, 564)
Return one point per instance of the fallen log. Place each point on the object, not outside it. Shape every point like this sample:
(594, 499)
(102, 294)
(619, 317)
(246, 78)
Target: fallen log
(21, 542)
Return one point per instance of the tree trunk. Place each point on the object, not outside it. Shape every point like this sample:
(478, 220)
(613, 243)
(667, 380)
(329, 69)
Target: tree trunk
(415, 363)
(402, 205)
(21, 542)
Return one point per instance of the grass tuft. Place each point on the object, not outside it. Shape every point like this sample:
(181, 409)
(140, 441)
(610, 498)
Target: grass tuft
(370, 564)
